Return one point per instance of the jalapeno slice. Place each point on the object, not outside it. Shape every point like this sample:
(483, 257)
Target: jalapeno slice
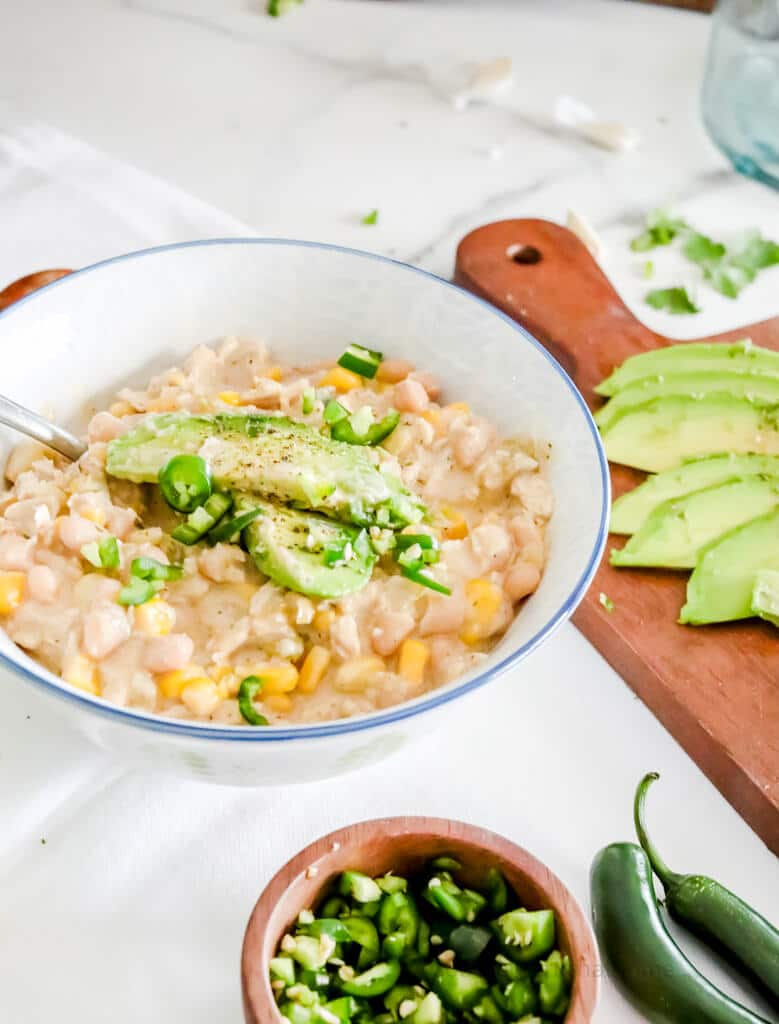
(248, 690)
(185, 482)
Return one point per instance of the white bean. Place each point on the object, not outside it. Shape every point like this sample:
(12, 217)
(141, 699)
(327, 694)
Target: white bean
(521, 580)
(410, 396)
(105, 628)
(165, 653)
(42, 584)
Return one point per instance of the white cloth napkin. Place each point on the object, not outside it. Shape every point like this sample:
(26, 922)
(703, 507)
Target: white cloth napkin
(124, 894)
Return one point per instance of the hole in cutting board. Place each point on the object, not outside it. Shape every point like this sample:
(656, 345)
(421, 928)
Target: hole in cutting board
(524, 254)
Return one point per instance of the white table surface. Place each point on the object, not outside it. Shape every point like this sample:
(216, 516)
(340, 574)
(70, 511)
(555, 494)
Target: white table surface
(298, 127)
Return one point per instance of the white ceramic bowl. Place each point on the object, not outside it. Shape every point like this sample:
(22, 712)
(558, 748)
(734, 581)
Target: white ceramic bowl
(69, 347)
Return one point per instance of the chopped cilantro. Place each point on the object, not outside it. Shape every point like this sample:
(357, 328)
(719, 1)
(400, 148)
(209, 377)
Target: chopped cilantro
(661, 229)
(648, 269)
(725, 281)
(756, 254)
(371, 218)
(278, 7)
(702, 249)
(673, 300)
(607, 603)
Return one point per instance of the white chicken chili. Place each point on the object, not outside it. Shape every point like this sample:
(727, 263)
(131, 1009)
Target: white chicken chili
(250, 543)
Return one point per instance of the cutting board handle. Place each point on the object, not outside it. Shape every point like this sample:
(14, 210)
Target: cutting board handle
(543, 276)
(24, 286)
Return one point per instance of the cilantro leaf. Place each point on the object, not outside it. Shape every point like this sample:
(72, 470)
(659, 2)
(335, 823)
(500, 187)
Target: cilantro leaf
(725, 280)
(757, 254)
(661, 229)
(371, 218)
(648, 269)
(278, 7)
(702, 249)
(672, 300)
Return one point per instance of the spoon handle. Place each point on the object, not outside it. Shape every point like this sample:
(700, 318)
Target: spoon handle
(27, 422)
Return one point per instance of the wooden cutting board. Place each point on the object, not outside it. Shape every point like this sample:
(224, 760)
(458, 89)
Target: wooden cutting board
(715, 688)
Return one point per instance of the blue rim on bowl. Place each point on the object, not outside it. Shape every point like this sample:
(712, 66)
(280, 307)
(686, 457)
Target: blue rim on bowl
(360, 723)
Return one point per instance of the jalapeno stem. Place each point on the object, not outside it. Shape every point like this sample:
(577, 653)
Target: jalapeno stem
(667, 877)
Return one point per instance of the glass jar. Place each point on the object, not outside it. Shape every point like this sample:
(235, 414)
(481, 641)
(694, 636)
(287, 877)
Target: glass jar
(741, 86)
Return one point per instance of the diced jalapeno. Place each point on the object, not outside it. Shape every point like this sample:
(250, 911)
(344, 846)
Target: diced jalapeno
(361, 360)
(526, 935)
(554, 984)
(497, 891)
(374, 982)
(248, 690)
(359, 887)
(203, 519)
(459, 990)
(229, 529)
(282, 968)
(469, 941)
(349, 429)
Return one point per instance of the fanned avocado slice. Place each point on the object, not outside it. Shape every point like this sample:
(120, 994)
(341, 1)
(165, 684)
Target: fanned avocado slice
(679, 529)
(293, 548)
(272, 456)
(762, 389)
(665, 432)
(631, 511)
(696, 357)
(721, 588)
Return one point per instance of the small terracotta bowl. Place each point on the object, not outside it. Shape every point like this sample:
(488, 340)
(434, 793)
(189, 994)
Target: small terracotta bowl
(403, 845)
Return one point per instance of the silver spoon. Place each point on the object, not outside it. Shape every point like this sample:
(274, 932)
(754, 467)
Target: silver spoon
(16, 416)
(26, 422)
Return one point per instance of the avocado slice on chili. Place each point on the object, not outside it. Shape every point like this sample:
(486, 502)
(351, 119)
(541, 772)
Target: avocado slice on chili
(272, 456)
(306, 552)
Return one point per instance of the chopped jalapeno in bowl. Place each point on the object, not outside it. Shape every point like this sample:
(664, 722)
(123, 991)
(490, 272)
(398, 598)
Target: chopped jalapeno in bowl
(424, 949)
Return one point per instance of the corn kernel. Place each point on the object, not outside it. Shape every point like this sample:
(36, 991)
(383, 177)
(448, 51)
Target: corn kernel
(273, 373)
(155, 618)
(314, 668)
(94, 514)
(486, 600)
(229, 397)
(201, 696)
(459, 407)
(281, 678)
(323, 619)
(413, 659)
(82, 672)
(353, 676)
(172, 683)
(457, 528)
(340, 379)
(433, 417)
(281, 703)
(12, 586)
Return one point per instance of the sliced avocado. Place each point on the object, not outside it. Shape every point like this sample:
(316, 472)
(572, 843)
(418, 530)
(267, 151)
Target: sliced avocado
(294, 547)
(664, 432)
(764, 390)
(696, 357)
(722, 585)
(677, 530)
(629, 512)
(765, 595)
(272, 456)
